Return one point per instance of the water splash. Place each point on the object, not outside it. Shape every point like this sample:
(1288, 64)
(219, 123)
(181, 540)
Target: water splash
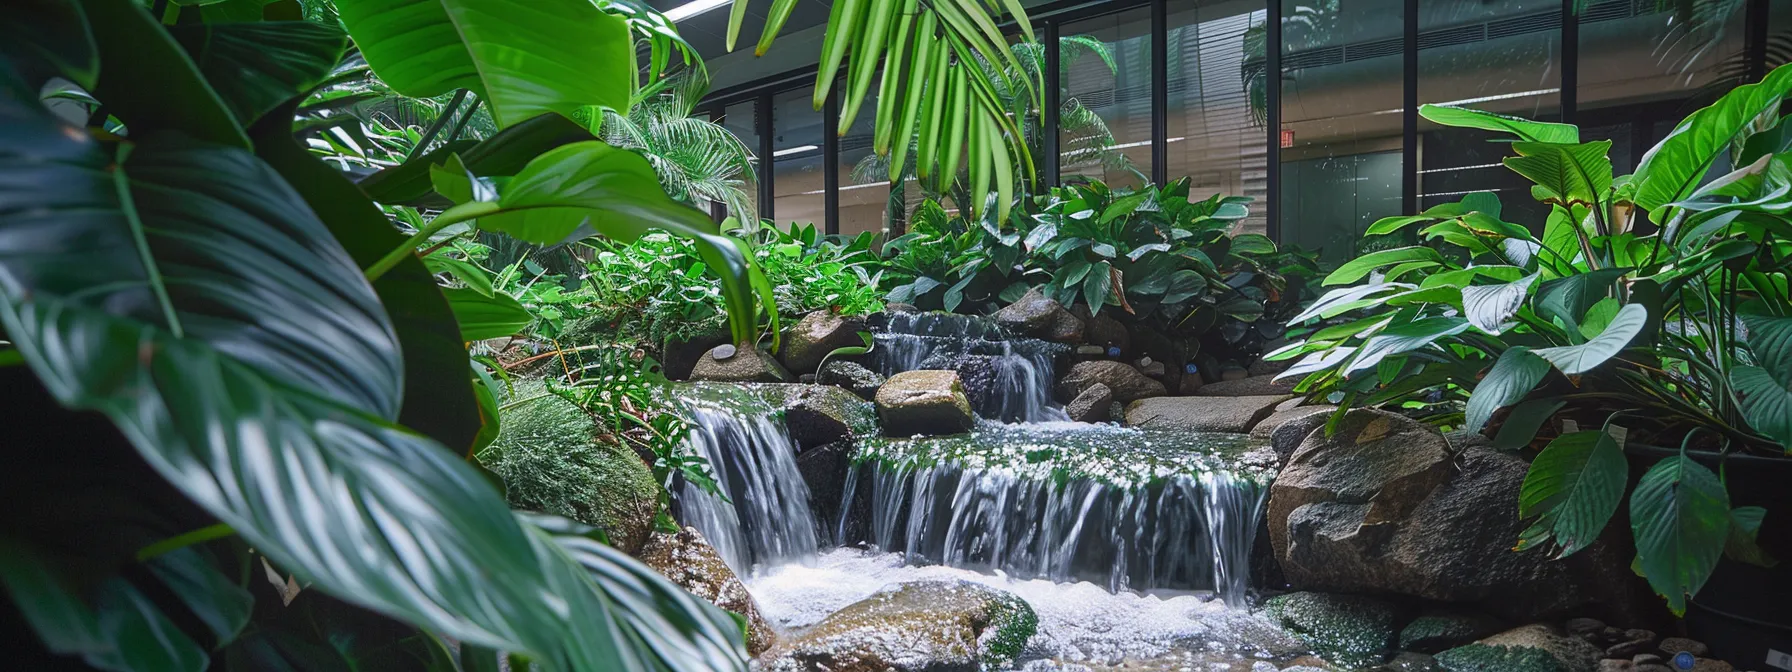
(1008, 378)
(767, 518)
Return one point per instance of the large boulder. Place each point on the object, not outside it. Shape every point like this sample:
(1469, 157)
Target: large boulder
(1385, 506)
(1200, 414)
(1350, 630)
(1286, 436)
(928, 626)
(1265, 429)
(1442, 628)
(1248, 387)
(1102, 330)
(821, 414)
(1532, 648)
(1033, 314)
(924, 403)
(680, 355)
(1092, 405)
(1126, 382)
(852, 376)
(810, 339)
(825, 469)
(687, 559)
(730, 364)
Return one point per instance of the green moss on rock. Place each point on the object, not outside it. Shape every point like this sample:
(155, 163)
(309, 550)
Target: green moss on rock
(1484, 658)
(551, 458)
(925, 625)
(1349, 630)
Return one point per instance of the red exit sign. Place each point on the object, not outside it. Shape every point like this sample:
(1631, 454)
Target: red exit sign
(1287, 138)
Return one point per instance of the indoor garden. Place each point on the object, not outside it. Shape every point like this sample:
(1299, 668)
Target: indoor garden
(896, 335)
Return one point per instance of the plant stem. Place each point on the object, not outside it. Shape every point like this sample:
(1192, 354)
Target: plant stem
(449, 217)
(436, 127)
(180, 541)
(464, 118)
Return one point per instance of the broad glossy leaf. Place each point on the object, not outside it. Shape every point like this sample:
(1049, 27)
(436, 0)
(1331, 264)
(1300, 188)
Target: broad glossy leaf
(49, 38)
(1525, 420)
(1335, 302)
(503, 154)
(1098, 285)
(1572, 489)
(523, 58)
(1405, 337)
(144, 68)
(185, 292)
(255, 67)
(1525, 129)
(1569, 298)
(1673, 168)
(1318, 361)
(1578, 359)
(1766, 402)
(1569, 173)
(1770, 341)
(1359, 268)
(1741, 545)
(1489, 306)
(482, 317)
(1387, 225)
(1513, 376)
(1680, 516)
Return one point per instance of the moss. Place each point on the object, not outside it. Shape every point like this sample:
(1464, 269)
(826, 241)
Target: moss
(1011, 623)
(1346, 629)
(551, 459)
(1484, 658)
(1120, 456)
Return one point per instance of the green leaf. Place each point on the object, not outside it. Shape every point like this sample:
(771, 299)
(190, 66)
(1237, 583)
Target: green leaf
(503, 154)
(1525, 420)
(1489, 306)
(1578, 359)
(144, 69)
(255, 67)
(1405, 338)
(1098, 285)
(1599, 316)
(522, 58)
(1572, 489)
(1513, 376)
(1569, 298)
(1123, 206)
(1680, 516)
(1560, 236)
(214, 598)
(185, 292)
(1568, 173)
(1673, 168)
(482, 317)
(49, 38)
(1766, 403)
(1525, 129)
(1387, 225)
(1770, 341)
(1741, 545)
(1359, 268)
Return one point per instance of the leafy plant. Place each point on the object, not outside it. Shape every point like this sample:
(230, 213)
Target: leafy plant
(276, 366)
(1683, 332)
(697, 160)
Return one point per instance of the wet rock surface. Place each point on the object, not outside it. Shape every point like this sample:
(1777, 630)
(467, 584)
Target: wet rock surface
(810, 340)
(1537, 647)
(1266, 428)
(1349, 630)
(1035, 315)
(852, 376)
(1440, 629)
(928, 626)
(1127, 383)
(924, 403)
(821, 414)
(729, 364)
(1092, 405)
(1248, 386)
(687, 559)
(1200, 414)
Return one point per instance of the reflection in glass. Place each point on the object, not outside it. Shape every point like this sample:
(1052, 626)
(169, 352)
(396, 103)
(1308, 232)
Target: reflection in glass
(741, 120)
(1216, 136)
(1641, 65)
(864, 176)
(1111, 141)
(1342, 83)
(797, 170)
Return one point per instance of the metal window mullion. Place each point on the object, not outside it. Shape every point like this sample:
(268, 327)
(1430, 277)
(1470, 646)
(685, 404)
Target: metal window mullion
(1160, 92)
(1570, 60)
(1272, 97)
(830, 162)
(1048, 122)
(762, 119)
(1409, 110)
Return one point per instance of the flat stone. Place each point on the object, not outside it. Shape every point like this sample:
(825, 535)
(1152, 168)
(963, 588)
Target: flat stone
(1266, 428)
(924, 402)
(1570, 653)
(1246, 387)
(1674, 645)
(927, 626)
(728, 364)
(1092, 405)
(817, 334)
(1127, 382)
(1200, 414)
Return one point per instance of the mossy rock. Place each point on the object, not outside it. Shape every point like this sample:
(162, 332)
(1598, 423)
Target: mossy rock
(552, 459)
(1438, 630)
(1484, 658)
(926, 626)
(1350, 630)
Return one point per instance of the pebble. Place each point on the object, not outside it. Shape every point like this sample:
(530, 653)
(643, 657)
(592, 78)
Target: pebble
(1674, 645)
(1615, 665)
(1642, 658)
(1634, 642)
(1712, 665)
(1585, 628)
(723, 351)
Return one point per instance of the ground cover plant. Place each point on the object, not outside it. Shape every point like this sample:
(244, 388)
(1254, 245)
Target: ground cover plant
(1647, 308)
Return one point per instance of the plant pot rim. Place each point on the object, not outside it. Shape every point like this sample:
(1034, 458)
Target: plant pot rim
(1737, 458)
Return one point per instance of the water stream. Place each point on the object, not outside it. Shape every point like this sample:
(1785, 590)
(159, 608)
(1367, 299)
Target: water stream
(767, 518)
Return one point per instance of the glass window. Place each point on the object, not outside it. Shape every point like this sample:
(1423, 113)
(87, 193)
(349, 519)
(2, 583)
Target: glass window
(741, 120)
(1104, 126)
(1216, 133)
(1496, 55)
(797, 171)
(1641, 64)
(1343, 80)
(864, 176)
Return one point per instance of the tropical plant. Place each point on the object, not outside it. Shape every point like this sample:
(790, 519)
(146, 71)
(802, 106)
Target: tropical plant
(1681, 334)
(697, 160)
(284, 379)
(940, 75)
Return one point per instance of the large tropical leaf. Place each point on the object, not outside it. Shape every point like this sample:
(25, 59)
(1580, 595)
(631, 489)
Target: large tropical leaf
(1680, 515)
(1568, 298)
(1525, 129)
(184, 291)
(1489, 306)
(523, 57)
(1572, 489)
(1405, 338)
(1568, 174)
(1359, 268)
(1578, 359)
(1673, 168)
(1513, 376)
(255, 67)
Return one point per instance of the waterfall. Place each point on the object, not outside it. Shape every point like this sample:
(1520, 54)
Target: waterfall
(766, 517)
(1009, 379)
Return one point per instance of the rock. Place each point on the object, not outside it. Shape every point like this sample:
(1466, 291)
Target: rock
(923, 403)
(824, 469)
(901, 308)
(821, 414)
(1711, 665)
(1585, 628)
(1653, 667)
(1092, 405)
(977, 373)
(1189, 384)
(1571, 654)
(1409, 661)
(1383, 507)
(1288, 437)
(1647, 658)
(1265, 429)
(1105, 331)
(1610, 665)
(927, 626)
(1065, 328)
(852, 376)
(551, 458)
(1091, 351)
(1436, 630)
(1153, 370)
(725, 363)
(1033, 315)
(1200, 414)
(1634, 642)
(1672, 646)
(1351, 630)
(688, 560)
(1126, 382)
(1263, 367)
(1247, 387)
(817, 334)
(1461, 440)
(1231, 372)
(680, 356)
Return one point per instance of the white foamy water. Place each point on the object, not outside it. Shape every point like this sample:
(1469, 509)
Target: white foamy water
(1078, 622)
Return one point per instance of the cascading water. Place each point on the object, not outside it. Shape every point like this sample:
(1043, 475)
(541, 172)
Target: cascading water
(1009, 379)
(768, 519)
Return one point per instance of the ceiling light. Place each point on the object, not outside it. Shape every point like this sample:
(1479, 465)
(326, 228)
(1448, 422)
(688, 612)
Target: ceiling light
(690, 9)
(794, 150)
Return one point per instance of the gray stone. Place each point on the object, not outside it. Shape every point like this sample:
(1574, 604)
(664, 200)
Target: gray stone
(1154, 369)
(1611, 665)
(1034, 315)
(817, 415)
(1105, 331)
(1585, 628)
(824, 470)
(1350, 630)
(1672, 646)
(688, 560)
(1265, 429)
(1634, 643)
(852, 376)
(1126, 382)
(1409, 661)
(1245, 387)
(1200, 414)
(1065, 328)
(725, 363)
(1092, 405)
(810, 339)
(1091, 351)
(1571, 654)
(1439, 629)
(928, 626)
(1263, 367)
(901, 308)
(924, 403)
(1233, 372)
